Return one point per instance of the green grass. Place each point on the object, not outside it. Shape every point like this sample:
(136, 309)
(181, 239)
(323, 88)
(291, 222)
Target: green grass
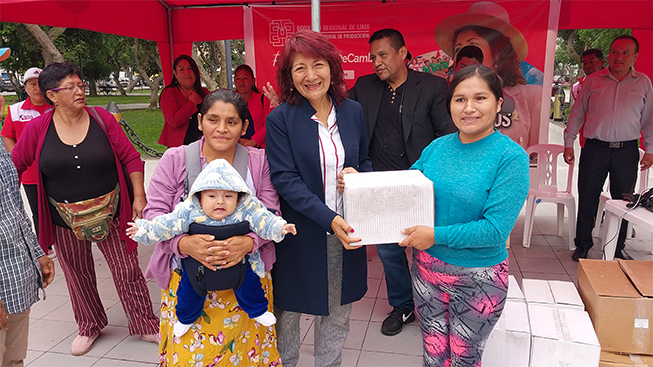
(147, 124)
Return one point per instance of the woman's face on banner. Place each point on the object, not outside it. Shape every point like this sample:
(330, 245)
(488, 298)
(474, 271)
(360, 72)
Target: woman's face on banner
(470, 37)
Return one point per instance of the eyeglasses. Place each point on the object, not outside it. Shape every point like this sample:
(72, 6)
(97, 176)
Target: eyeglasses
(71, 88)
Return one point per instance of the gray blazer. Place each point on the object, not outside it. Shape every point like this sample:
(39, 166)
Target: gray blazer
(425, 115)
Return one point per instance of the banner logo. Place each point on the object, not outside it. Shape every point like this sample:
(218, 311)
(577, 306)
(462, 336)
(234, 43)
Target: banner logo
(280, 30)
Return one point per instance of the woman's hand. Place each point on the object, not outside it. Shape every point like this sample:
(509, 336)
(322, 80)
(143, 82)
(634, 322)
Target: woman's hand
(342, 230)
(271, 94)
(247, 142)
(137, 207)
(194, 97)
(198, 246)
(231, 251)
(341, 178)
(419, 237)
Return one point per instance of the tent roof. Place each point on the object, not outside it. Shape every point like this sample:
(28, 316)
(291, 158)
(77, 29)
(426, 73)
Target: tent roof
(202, 20)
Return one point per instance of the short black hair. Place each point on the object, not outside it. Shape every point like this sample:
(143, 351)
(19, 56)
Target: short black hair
(396, 38)
(470, 51)
(490, 77)
(592, 51)
(627, 37)
(53, 74)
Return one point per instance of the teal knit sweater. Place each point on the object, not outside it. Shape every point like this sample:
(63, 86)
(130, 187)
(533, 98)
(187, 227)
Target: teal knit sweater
(479, 189)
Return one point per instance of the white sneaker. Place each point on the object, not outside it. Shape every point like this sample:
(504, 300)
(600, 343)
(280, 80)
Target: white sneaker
(180, 329)
(266, 319)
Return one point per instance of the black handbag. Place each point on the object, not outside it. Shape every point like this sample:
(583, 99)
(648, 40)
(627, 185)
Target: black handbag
(204, 279)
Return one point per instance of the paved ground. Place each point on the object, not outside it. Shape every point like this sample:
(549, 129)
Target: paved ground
(52, 327)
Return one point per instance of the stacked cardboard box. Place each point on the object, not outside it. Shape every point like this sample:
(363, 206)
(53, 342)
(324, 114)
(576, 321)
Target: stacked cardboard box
(619, 298)
(562, 333)
(509, 343)
(541, 327)
(378, 205)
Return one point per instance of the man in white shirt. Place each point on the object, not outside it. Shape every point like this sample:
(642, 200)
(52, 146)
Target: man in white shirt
(616, 104)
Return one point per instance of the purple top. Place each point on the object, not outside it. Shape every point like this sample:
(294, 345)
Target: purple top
(166, 189)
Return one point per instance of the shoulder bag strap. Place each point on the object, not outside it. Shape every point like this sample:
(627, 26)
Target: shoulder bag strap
(193, 166)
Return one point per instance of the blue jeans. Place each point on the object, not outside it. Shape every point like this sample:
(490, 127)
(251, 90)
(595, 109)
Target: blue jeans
(250, 296)
(397, 275)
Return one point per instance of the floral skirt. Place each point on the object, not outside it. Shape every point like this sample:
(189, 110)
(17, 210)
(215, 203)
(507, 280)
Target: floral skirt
(223, 336)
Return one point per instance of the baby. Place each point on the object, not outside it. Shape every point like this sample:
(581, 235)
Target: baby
(218, 198)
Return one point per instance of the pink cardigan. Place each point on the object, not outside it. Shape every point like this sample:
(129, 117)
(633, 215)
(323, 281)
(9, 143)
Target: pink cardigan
(166, 188)
(28, 151)
(176, 110)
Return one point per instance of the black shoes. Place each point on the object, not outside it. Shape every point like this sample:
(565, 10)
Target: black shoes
(394, 323)
(621, 254)
(579, 253)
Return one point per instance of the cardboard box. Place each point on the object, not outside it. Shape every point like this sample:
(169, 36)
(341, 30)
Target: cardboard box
(509, 343)
(552, 292)
(562, 336)
(378, 205)
(619, 299)
(612, 359)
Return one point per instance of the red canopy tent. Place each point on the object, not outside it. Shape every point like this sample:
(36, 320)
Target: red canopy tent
(175, 24)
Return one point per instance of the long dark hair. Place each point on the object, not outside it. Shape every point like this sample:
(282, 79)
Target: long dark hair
(249, 70)
(490, 77)
(318, 46)
(505, 58)
(198, 80)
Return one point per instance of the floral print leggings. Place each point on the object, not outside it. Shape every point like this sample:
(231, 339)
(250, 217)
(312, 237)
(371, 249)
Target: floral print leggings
(457, 308)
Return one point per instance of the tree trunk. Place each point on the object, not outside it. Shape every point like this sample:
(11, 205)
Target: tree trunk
(92, 88)
(15, 83)
(573, 54)
(154, 91)
(133, 82)
(49, 51)
(210, 83)
(223, 64)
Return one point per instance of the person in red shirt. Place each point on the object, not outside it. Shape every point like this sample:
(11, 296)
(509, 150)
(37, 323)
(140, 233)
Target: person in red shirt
(18, 115)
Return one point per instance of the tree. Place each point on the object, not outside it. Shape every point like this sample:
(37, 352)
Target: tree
(25, 52)
(46, 40)
(571, 44)
(148, 64)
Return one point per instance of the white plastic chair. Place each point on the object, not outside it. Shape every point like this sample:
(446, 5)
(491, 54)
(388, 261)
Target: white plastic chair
(547, 191)
(642, 184)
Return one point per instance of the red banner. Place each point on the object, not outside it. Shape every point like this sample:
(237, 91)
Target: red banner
(350, 27)
(429, 29)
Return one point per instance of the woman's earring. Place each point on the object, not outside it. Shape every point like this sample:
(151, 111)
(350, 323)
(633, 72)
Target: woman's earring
(292, 89)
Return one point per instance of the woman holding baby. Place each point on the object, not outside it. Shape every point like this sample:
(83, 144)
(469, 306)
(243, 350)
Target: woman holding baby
(223, 334)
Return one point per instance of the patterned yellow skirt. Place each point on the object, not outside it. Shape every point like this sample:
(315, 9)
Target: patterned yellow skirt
(223, 336)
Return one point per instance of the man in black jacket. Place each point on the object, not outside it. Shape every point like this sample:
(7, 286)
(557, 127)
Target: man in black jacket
(404, 110)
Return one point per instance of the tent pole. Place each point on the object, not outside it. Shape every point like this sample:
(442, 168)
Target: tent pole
(315, 15)
(171, 39)
(227, 58)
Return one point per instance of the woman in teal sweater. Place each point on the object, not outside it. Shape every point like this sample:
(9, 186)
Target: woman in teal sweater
(460, 266)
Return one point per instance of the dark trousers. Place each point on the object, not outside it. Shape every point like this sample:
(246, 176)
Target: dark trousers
(250, 297)
(596, 162)
(33, 199)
